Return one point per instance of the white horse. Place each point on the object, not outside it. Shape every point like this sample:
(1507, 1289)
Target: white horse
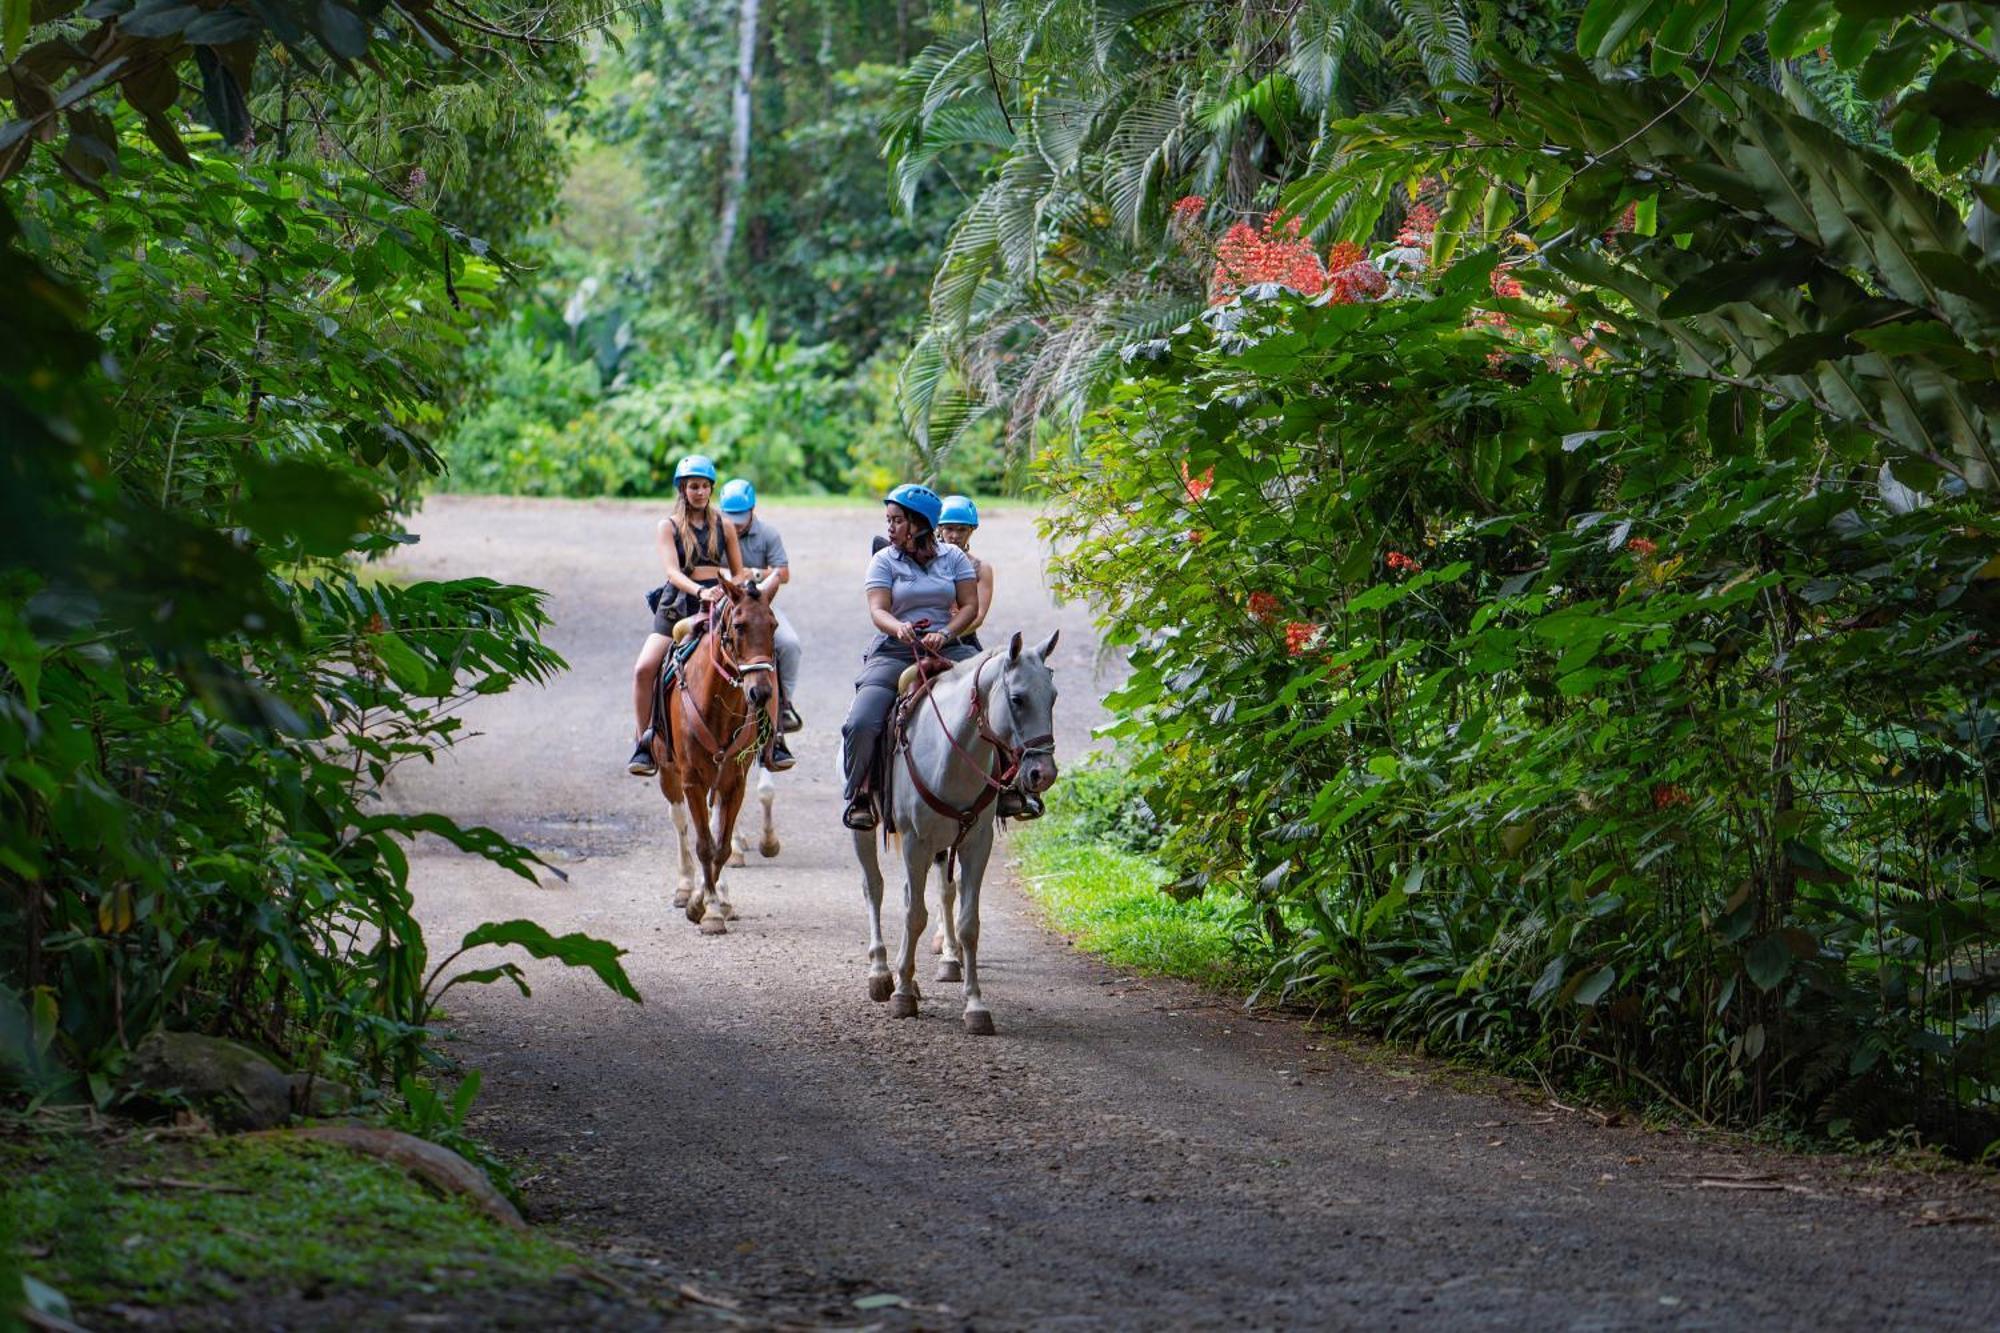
(997, 706)
(767, 846)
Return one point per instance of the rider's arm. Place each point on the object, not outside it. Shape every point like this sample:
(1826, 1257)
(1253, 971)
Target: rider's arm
(985, 596)
(884, 619)
(965, 608)
(735, 548)
(670, 558)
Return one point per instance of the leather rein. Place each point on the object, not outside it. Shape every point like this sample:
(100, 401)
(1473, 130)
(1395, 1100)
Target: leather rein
(731, 672)
(1007, 759)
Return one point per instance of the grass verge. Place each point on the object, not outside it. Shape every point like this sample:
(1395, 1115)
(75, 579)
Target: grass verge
(1107, 899)
(174, 1223)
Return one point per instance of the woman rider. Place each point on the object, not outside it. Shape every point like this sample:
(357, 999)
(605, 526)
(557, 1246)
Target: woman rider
(919, 593)
(696, 544)
(956, 521)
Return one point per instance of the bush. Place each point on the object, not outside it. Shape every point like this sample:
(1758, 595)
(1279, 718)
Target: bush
(1633, 727)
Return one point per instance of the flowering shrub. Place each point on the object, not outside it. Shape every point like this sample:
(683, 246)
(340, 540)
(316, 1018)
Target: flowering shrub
(1513, 795)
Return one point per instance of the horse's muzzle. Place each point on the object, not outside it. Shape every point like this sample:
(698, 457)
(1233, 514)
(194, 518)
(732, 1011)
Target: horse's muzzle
(1038, 772)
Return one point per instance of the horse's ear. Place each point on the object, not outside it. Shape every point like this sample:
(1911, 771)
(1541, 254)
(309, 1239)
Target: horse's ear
(1048, 646)
(729, 584)
(1014, 648)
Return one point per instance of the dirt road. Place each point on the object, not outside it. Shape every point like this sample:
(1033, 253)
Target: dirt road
(1125, 1153)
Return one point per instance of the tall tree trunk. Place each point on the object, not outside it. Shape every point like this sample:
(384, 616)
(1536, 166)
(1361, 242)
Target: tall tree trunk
(739, 146)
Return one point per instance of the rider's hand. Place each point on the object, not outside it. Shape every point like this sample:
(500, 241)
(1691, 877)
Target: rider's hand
(905, 632)
(712, 595)
(934, 641)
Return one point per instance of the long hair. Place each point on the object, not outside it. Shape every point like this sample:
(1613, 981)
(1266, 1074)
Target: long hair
(923, 539)
(684, 520)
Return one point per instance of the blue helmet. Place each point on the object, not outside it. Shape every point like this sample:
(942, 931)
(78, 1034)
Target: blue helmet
(919, 500)
(694, 465)
(738, 496)
(960, 510)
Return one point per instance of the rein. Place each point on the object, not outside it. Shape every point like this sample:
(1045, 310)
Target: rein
(1006, 764)
(731, 672)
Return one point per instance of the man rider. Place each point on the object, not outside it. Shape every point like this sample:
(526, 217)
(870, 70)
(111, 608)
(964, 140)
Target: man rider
(770, 568)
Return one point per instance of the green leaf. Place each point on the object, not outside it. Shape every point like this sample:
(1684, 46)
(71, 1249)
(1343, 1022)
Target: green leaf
(1593, 987)
(317, 506)
(13, 26)
(1767, 962)
(572, 950)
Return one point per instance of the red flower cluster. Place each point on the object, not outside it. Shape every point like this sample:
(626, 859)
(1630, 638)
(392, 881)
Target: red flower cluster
(1246, 256)
(1419, 225)
(1503, 286)
(1352, 276)
(1187, 209)
(1666, 796)
(1265, 606)
(1642, 548)
(1197, 487)
(1299, 636)
(1401, 563)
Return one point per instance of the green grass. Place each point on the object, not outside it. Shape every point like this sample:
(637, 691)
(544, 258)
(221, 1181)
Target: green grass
(180, 1222)
(1108, 901)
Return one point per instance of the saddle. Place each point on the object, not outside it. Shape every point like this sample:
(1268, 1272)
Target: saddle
(687, 637)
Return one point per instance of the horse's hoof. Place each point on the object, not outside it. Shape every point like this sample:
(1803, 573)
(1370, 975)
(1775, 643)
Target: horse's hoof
(768, 847)
(681, 897)
(714, 925)
(978, 1023)
(739, 859)
(880, 987)
(695, 912)
(729, 911)
(950, 971)
(902, 1006)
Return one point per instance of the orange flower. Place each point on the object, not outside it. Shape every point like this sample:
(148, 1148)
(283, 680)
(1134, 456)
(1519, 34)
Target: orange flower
(1246, 256)
(1503, 286)
(1299, 636)
(1187, 209)
(1401, 563)
(1265, 606)
(1642, 548)
(1197, 487)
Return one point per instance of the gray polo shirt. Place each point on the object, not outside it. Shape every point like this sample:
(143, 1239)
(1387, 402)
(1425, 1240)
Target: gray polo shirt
(762, 547)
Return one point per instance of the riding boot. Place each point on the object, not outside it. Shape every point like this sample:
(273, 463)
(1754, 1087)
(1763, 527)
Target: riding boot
(778, 755)
(860, 813)
(641, 764)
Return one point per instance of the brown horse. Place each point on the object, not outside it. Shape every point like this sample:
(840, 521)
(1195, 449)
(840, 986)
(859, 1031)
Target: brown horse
(713, 710)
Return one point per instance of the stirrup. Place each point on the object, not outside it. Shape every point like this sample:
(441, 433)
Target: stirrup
(860, 814)
(641, 764)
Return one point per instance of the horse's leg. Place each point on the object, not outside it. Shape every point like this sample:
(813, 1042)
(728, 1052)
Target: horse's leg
(739, 851)
(702, 909)
(670, 787)
(767, 791)
(879, 984)
(916, 869)
(971, 871)
(947, 931)
(728, 802)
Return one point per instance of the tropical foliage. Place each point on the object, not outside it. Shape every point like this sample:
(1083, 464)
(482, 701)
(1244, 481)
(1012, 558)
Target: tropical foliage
(1558, 561)
(223, 360)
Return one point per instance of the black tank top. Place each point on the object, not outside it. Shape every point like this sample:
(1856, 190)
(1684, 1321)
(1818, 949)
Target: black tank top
(701, 554)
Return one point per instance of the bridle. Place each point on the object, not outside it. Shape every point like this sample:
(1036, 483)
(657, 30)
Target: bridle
(732, 672)
(1005, 771)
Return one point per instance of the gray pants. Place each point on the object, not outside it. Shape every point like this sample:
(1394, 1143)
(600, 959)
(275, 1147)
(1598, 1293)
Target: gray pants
(786, 645)
(874, 695)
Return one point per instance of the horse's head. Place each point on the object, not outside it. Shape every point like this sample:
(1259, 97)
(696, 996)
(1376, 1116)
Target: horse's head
(748, 628)
(1025, 708)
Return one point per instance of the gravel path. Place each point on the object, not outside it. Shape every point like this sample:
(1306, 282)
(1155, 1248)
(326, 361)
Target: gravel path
(1126, 1153)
